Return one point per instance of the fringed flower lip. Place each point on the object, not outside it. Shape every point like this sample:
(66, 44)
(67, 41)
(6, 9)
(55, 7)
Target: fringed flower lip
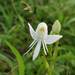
(41, 37)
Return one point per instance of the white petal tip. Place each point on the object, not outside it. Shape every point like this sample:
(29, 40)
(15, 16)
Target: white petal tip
(53, 38)
(61, 36)
(28, 23)
(33, 58)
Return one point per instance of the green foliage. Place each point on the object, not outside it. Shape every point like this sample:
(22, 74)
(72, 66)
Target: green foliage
(14, 16)
(19, 59)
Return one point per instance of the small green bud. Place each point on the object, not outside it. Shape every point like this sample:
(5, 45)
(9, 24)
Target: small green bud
(56, 28)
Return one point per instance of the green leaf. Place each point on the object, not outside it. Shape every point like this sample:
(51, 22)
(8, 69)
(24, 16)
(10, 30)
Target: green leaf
(6, 59)
(21, 65)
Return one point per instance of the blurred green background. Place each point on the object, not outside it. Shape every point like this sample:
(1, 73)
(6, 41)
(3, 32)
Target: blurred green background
(14, 16)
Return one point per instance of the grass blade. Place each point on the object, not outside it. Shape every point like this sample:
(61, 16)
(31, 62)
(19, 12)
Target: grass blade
(21, 65)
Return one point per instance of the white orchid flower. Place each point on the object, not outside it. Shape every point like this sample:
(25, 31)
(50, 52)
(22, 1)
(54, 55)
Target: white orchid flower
(41, 37)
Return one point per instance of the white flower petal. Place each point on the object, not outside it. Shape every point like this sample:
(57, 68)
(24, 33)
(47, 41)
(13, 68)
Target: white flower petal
(50, 39)
(37, 50)
(32, 32)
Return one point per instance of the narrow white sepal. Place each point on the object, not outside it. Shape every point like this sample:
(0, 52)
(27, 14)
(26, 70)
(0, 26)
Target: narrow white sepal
(50, 39)
(32, 32)
(31, 46)
(37, 50)
(33, 43)
(44, 48)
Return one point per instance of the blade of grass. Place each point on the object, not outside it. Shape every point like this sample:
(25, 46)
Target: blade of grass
(21, 65)
(6, 59)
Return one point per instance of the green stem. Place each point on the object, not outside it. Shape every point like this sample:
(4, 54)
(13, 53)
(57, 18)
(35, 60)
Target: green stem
(55, 51)
(50, 66)
(47, 65)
